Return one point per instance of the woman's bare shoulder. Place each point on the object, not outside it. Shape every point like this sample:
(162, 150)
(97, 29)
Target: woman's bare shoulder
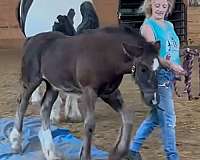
(147, 32)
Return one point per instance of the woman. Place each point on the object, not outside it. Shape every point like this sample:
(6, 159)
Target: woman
(156, 28)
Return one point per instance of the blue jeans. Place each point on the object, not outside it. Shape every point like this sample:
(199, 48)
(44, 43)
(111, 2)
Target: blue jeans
(163, 116)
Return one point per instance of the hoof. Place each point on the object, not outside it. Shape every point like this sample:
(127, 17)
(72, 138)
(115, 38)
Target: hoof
(16, 148)
(15, 139)
(48, 147)
(82, 156)
(74, 119)
(53, 155)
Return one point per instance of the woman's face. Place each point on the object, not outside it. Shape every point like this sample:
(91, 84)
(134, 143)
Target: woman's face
(159, 8)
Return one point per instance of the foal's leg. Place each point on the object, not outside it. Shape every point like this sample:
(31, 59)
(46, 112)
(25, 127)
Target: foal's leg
(45, 136)
(72, 113)
(16, 133)
(87, 106)
(122, 144)
(56, 110)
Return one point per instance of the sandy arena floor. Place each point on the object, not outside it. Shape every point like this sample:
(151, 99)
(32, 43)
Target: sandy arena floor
(188, 112)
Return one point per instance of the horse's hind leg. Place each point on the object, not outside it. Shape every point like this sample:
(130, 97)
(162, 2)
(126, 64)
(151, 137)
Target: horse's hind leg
(45, 136)
(16, 133)
(121, 147)
(72, 113)
(87, 106)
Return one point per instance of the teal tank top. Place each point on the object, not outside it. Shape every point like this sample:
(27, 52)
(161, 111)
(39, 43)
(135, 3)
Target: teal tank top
(168, 38)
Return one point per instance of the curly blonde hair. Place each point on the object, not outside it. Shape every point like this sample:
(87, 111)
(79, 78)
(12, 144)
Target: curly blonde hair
(147, 10)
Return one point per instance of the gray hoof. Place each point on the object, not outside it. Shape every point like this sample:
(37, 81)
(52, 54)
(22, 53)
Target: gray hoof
(17, 149)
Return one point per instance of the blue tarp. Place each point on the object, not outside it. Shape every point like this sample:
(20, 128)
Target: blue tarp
(64, 140)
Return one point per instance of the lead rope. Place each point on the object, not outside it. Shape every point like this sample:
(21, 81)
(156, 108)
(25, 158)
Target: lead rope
(189, 55)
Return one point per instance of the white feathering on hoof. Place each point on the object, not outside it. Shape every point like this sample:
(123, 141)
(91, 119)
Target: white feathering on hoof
(15, 140)
(47, 144)
(55, 113)
(72, 112)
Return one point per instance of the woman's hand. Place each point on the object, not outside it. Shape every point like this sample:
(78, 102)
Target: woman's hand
(177, 69)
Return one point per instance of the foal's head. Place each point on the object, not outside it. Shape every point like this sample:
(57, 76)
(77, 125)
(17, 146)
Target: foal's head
(145, 64)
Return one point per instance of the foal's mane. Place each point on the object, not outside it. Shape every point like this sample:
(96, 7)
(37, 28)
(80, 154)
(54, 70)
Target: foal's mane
(127, 29)
(139, 39)
(122, 28)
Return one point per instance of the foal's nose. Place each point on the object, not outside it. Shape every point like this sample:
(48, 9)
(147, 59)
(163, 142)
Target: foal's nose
(152, 80)
(151, 75)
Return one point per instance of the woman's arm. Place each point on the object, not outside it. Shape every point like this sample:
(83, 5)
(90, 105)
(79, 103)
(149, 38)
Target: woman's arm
(148, 34)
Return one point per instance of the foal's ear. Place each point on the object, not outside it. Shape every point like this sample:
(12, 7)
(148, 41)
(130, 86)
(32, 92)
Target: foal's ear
(132, 50)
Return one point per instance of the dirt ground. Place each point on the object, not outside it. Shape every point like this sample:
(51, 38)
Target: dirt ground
(188, 112)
